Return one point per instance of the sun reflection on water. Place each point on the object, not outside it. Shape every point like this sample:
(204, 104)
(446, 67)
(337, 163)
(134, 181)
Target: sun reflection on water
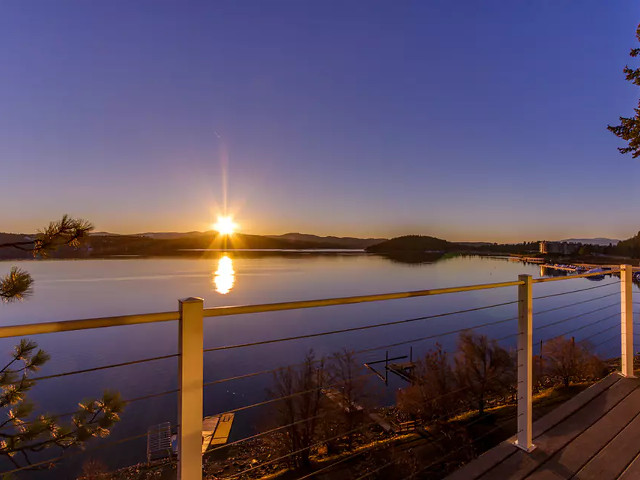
(224, 276)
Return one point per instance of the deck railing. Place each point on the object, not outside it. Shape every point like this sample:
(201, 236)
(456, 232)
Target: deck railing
(191, 313)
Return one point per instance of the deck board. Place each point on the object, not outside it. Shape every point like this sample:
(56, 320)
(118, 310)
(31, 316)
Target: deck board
(587, 445)
(493, 457)
(521, 464)
(612, 460)
(632, 472)
(595, 435)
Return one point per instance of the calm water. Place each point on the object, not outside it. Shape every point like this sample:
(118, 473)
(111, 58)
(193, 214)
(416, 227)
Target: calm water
(67, 290)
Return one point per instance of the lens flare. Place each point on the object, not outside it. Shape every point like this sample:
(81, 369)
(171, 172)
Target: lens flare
(224, 275)
(225, 225)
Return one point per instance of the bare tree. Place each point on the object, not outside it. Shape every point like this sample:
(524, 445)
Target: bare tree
(300, 408)
(350, 393)
(566, 361)
(482, 368)
(431, 396)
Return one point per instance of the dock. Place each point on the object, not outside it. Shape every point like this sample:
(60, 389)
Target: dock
(216, 430)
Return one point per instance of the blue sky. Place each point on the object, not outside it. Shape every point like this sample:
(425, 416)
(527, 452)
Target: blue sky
(465, 120)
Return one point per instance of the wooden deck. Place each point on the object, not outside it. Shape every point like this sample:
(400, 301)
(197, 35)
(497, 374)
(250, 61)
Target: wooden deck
(595, 435)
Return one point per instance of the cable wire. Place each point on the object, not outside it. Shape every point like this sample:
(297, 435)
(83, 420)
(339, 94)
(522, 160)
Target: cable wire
(575, 291)
(581, 328)
(105, 367)
(576, 316)
(72, 454)
(367, 350)
(573, 317)
(355, 329)
(575, 303)
(607, 340)
(600, 332)
(429, 337)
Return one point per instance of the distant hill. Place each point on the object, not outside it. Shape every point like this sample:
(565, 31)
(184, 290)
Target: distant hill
(411, 243)
(603, 242)
(173, 235)
(341, 242)
(101, 244)
(307, 239)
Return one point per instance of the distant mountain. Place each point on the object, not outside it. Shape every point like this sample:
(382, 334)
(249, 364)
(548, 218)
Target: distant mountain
(173, 235)
(104, 244)
(604, 242)
(339, 242)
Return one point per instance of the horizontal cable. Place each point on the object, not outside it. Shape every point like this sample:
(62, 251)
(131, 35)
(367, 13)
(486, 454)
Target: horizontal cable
(262, 434)
(126, 402)
(607, 340)
(575, 303)
(94, 369)
(599, 333)
(367, 350)
(296, 452)
(282, 457)
(575, 291)
(575, 316)
(388, 464)
(308, 419)
(590, 324)
(327, 302)
(406, 442)
(72, 454)
(430, 337)
(152, 395)
(358, 352)
(355, 329)
(293, 395)
(511, 335)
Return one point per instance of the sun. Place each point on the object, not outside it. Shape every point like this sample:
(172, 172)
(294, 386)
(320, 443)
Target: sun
(225, 225)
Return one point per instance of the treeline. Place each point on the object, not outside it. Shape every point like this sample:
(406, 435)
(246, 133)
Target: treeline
(97, 246)
(325, 408)
(421, 243)
(629, 247)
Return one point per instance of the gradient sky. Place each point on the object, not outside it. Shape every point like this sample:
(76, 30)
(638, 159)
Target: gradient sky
(467, 120)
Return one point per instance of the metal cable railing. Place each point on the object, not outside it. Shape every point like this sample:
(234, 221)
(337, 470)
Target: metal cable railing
(356, 329)
(225, 311)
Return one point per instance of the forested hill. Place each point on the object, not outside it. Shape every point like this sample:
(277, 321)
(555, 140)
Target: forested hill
(412, 243)
(106, 244)
(629, 247)
(420, 244)
(343, 242)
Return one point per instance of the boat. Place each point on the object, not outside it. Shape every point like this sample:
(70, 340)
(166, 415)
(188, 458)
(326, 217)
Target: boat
(596, 277)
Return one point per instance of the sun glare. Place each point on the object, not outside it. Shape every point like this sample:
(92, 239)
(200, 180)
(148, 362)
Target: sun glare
(225, 225)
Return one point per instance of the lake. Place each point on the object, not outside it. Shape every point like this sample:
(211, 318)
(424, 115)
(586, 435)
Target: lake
(66, 290)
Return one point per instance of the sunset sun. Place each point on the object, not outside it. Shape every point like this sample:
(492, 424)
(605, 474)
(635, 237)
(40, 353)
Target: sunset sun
(225, 225)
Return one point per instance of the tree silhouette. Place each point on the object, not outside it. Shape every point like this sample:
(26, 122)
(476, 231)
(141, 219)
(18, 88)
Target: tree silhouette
(629, 128)
(22, 434)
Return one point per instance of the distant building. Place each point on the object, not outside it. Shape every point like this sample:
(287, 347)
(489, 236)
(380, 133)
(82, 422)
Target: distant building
(559, 248)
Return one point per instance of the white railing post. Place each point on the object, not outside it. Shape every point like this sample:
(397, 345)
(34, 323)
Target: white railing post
(626, 320)
(525, 363)
(190, 378)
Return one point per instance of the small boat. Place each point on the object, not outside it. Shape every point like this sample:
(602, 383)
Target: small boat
(595, 271)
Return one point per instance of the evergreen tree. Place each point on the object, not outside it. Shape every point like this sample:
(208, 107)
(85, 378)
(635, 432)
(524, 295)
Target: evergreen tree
(23, 434)
(629, 128)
